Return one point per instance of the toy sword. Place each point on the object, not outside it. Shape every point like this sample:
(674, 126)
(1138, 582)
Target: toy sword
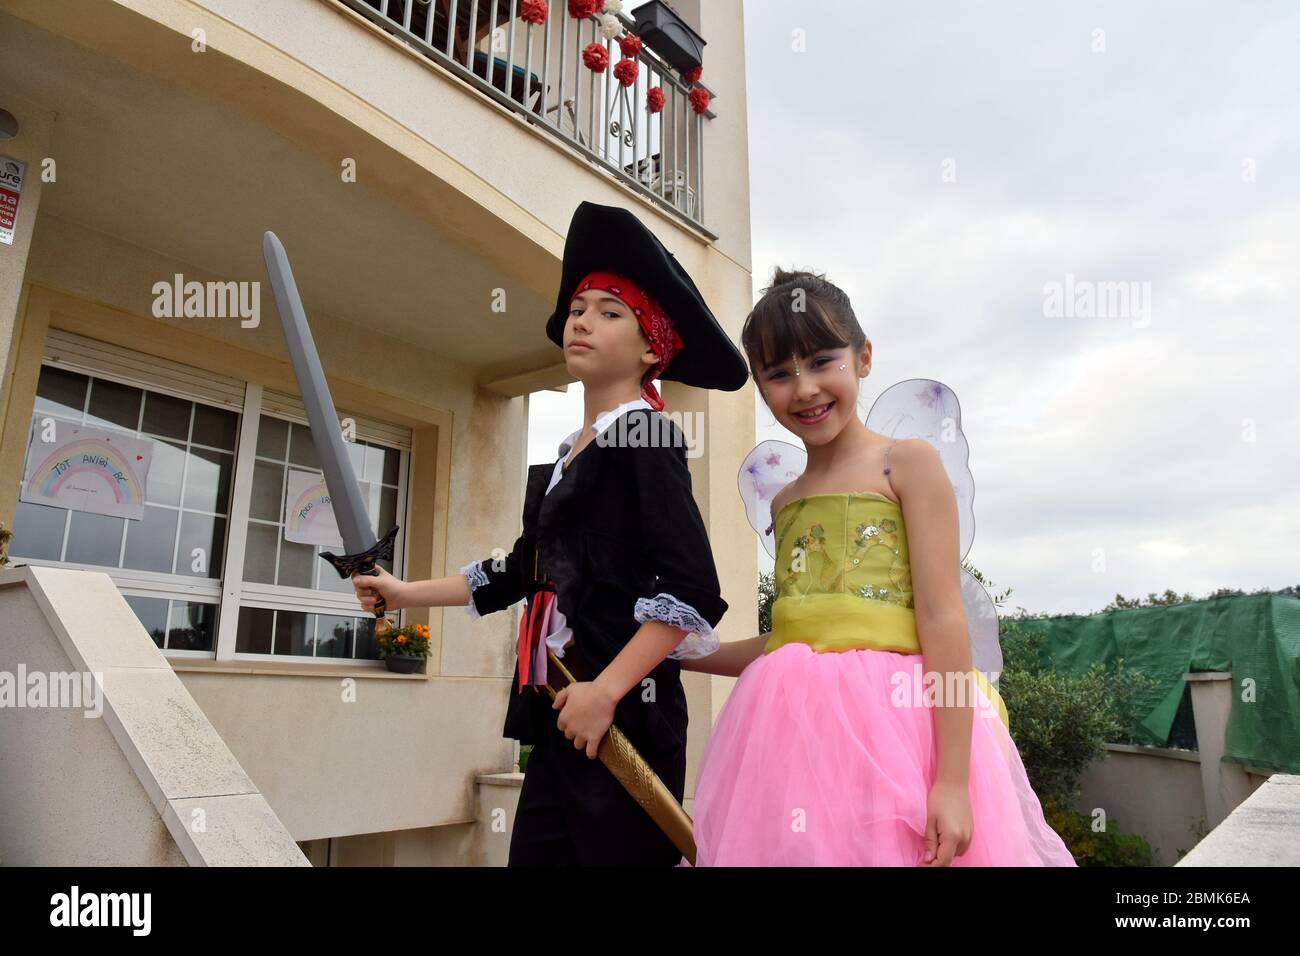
(363, 551)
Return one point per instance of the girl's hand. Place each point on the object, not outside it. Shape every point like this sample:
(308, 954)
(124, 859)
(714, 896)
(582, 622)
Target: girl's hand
(948, 823)
(371, 587)
(586, 711)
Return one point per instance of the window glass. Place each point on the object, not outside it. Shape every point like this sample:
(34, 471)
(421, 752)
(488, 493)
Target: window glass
(187, 491)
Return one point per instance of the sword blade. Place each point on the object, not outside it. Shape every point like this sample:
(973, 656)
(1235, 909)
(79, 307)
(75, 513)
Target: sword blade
(326, 435)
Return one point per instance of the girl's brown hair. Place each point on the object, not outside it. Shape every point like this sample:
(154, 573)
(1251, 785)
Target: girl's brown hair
(800, 313)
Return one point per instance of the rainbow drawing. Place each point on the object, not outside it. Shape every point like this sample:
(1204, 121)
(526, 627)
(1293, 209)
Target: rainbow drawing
(309, 516)
(309, 507)
(90, 471)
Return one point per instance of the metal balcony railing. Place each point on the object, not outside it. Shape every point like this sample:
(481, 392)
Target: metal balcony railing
(537, 71)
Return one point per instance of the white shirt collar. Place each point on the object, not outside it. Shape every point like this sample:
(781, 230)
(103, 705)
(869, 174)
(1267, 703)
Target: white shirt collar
(604, 421)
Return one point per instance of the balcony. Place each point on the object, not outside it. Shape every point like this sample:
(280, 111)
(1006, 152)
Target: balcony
(537, 71)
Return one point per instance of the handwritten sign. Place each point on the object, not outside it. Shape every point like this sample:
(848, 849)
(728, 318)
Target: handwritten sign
(86, 469)
(308, 513)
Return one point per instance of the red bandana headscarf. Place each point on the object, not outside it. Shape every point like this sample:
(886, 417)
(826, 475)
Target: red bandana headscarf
(654, 322)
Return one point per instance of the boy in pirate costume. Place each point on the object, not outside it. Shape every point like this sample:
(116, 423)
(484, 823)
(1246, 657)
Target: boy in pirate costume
(613, 560)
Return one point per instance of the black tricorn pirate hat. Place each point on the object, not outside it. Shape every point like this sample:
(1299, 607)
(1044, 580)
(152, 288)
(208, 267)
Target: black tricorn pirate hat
(612, 239)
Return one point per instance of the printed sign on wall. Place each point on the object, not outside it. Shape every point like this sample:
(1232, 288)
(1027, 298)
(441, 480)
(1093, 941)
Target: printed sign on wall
(11, 188)
(86, 469)
(309, 516)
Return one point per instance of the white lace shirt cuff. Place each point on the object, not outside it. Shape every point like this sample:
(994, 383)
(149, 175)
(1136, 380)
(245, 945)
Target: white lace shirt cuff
(700, 641)
(474, 575)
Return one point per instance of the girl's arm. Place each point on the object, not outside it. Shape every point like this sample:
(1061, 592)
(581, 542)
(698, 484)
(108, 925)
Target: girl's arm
(930, 517)
(731, 658)
(734, 656)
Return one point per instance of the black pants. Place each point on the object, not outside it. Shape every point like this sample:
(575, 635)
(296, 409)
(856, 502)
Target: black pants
(572, 812)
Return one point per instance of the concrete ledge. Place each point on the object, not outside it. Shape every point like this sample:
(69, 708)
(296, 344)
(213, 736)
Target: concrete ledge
(508, 779)
(231, 830)
(1172, 753)
(497, 798)
(328, 669)
(210, 807)
(1264, 830)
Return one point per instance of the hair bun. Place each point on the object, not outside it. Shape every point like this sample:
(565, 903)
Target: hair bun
(781, 276)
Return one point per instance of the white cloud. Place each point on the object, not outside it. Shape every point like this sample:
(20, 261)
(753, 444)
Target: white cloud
(1172, 446)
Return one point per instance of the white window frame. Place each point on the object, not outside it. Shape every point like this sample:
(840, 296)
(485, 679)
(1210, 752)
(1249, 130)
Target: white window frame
(236, 592)
(250, 401)
(108, 362)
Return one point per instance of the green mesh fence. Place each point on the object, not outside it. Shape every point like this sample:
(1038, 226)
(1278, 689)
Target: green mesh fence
(1256, 637)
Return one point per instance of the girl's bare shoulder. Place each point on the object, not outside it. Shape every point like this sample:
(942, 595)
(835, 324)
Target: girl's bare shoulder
(784, 497)
(915, 464)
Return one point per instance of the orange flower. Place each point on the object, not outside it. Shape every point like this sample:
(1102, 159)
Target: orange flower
(401, 638)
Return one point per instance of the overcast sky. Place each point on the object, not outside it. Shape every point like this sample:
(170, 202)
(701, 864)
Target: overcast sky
(946, 163)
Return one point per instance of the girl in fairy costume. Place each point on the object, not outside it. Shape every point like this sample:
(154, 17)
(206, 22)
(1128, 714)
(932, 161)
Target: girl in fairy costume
(834, 747)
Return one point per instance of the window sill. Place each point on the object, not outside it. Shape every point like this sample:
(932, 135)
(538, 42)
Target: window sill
(289, 669)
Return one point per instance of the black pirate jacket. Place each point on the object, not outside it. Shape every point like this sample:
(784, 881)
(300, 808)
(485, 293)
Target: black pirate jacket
(620, 525)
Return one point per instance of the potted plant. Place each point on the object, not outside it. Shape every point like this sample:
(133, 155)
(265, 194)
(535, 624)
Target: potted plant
(669, 35)
(403, 648)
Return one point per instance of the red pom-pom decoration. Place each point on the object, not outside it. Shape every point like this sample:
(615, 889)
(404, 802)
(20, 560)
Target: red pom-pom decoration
(533, 11)
(595, 56)
(654, 98)
(625, 71)
(583, 9)
(699, 99)
(629, 44)
(693, 76)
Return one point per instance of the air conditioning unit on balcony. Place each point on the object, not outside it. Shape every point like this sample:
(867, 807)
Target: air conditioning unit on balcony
(678, 193)
(671, 187)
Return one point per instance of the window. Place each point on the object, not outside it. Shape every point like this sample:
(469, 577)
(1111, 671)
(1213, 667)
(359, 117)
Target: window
(284, 447)
(201, 513)
(186, 507)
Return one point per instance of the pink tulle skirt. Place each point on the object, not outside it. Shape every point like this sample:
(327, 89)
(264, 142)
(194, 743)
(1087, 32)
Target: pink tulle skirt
(811, 763)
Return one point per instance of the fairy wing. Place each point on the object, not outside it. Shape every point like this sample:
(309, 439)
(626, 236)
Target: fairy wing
(766, 470)
(924, 408)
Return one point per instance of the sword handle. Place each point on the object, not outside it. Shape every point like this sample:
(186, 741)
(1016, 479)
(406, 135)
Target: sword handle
(367, 562)
(382, 624)
(381, 606)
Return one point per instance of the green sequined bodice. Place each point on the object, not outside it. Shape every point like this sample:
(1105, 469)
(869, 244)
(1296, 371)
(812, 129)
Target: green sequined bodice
(852, 543)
